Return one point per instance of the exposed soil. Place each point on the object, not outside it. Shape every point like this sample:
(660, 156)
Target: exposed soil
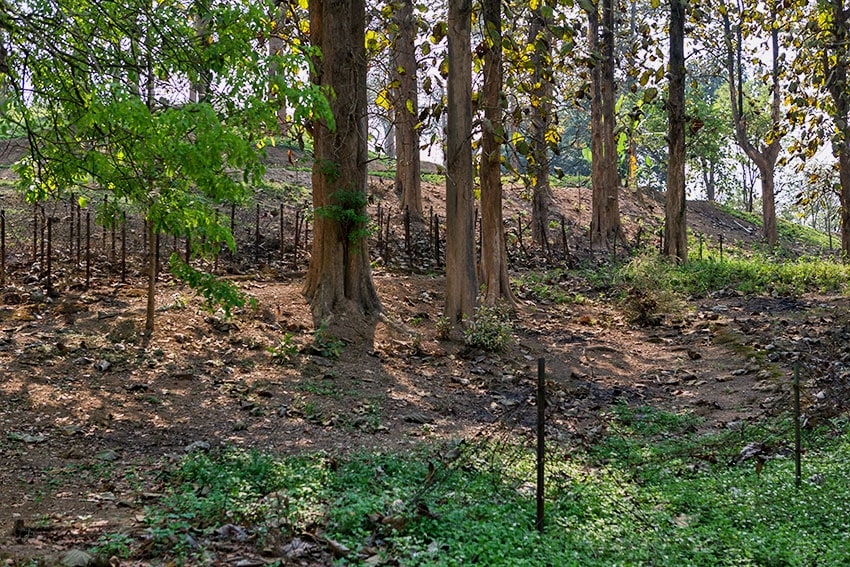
(80, 395)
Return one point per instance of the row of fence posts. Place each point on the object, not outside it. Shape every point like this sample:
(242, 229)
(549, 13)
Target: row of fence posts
(43, 244)
(80, 240)
(79, 233)
(384, 237)
(301, 230)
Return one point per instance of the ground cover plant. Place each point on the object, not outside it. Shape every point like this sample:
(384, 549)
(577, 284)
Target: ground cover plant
(653, 491)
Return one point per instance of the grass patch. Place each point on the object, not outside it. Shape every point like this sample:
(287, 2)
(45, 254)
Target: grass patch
(438, 178)
(282, 191)
(789, 232)
(759, 275)
(636, 498)
(792, 232)
(756, 274)
(570, 180)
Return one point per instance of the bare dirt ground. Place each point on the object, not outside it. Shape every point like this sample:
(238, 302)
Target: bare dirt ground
(81, 397)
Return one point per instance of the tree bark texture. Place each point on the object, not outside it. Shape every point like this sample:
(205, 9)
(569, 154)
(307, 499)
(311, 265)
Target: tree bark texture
(339, 283)
(541, 112)
(835, 61)
(765, 156)
(675, 222)
(605, 211)
(597, 193)
(461, 277)
(494, 257)
(844, 180)
(609, 121)
(406, 109)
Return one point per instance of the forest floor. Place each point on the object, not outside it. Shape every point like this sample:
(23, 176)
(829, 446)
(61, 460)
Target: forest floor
(88, 416)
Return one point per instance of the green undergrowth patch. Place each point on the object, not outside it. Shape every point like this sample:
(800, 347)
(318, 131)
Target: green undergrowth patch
(433, 177)
(652, 491)
(743, 215)
(788, 232)
(760, 275)
(791, 232)
(283, 191)
(652, 276)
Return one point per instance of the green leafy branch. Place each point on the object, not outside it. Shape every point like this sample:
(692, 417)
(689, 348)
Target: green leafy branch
(216, 292)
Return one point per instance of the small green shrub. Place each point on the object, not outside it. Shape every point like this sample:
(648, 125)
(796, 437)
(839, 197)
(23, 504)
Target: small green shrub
(285, 351)
(328, 345)
(113, 544)
(443, 327)
(649, 291)
(489, 328)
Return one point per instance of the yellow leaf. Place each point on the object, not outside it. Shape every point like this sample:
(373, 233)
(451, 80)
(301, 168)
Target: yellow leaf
(383, 99)
(373, 40)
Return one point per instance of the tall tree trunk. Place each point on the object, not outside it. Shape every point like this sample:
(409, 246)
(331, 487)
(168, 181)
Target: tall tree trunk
(598, 219)
(199, 89)
(609, 122)
(605, 211)
(276, 47)
(339, 280)
(844, 180)
(461, 278)
(766, 155)
(153, 267)
(768, 204)
(541, 111)
(390, 142)
(675, 222)
(406, 109)
(835, 62)
(494, 258)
